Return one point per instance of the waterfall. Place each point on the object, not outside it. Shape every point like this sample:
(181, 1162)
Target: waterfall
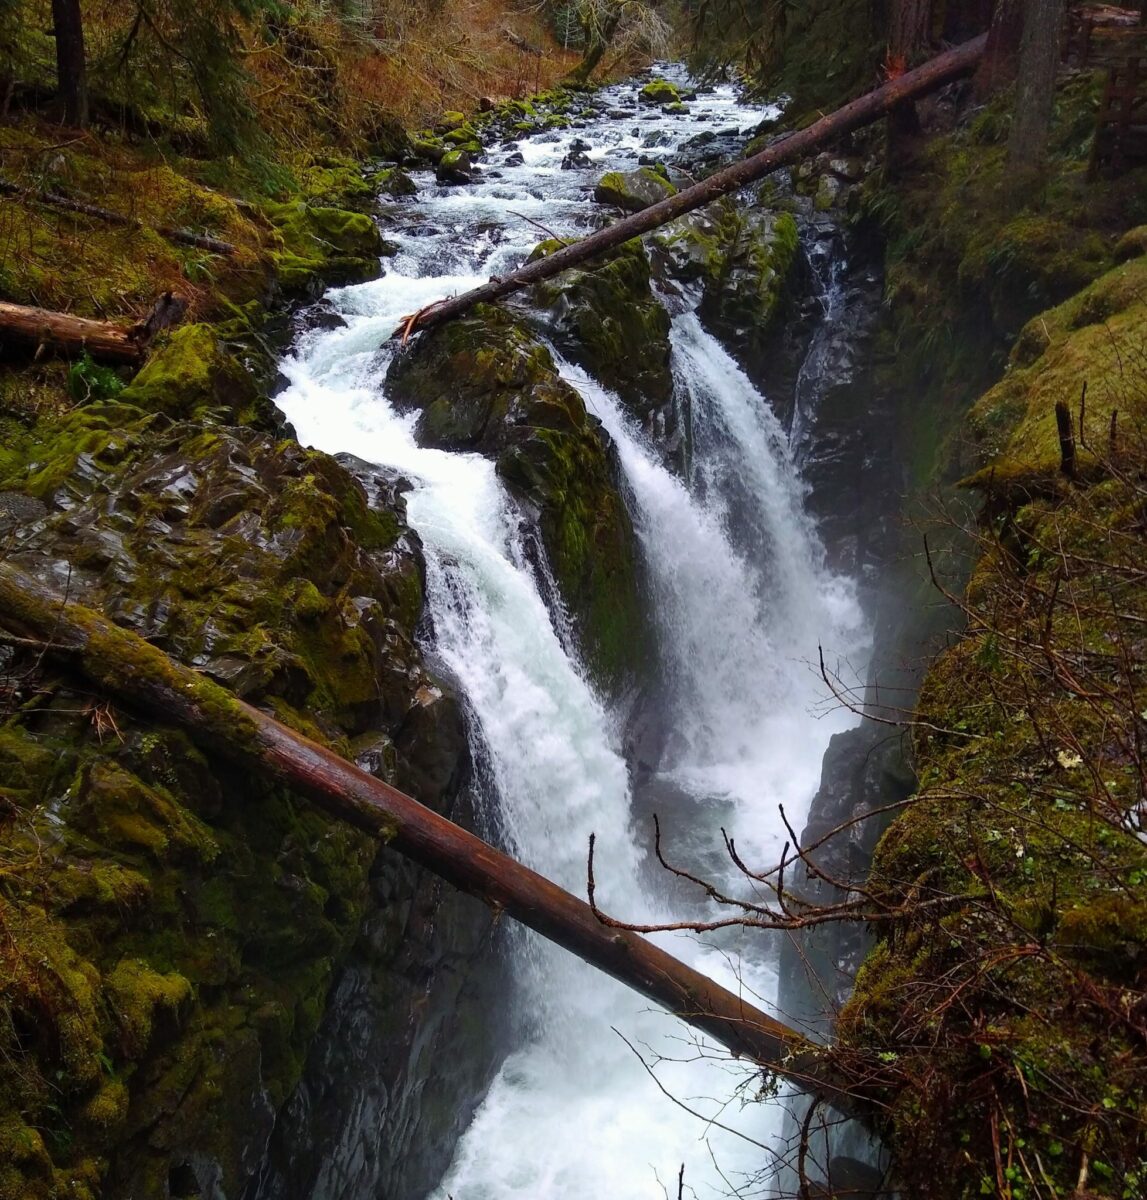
(601, 1096)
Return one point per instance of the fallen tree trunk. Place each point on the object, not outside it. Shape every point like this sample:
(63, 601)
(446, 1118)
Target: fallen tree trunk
(135, 671)
(942, 69)
(54, 200)
(60, 333)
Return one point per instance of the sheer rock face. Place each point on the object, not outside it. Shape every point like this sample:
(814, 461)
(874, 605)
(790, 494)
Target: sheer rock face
(484, 383)
(184, 922)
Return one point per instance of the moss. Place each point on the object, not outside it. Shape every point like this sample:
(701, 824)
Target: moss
(191, 370)
(318, 243)
(633, 190)
(659, 91)
(138, 996)
(1008, 993)
(607, 318)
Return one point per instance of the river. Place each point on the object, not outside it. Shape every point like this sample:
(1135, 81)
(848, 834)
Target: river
(597, 1095)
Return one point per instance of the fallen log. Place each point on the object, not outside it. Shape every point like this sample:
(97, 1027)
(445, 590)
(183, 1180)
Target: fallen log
(42, 330)
(935, 73)
(130, 668)
(54, 200)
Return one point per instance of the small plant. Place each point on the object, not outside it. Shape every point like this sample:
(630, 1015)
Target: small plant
(88, 380)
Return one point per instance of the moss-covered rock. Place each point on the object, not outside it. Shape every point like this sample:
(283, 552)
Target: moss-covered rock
(318, 245)
(743, 259)
(192, 370)
(659, 91)
(483, 383)
(633, 190)
(607, 319)
(173, 925)
(454, 167)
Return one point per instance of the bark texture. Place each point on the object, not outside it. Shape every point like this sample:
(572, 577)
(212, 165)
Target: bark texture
(43, 331)
(1035, 86)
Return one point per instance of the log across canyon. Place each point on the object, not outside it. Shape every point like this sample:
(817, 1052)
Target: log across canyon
(129, 668)
(786, 149)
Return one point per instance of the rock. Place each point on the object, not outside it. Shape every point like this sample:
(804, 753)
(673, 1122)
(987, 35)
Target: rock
(606, 318)
(516, 159)
(744, 261)
(483, 383)
(677, 109)
(394, 182)
(633, 190)
(199, 915)
(659, 91)
(320, 245)
(450, 121)
(454, 168)
(576, 159)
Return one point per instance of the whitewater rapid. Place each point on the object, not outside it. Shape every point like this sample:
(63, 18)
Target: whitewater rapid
(741, 597)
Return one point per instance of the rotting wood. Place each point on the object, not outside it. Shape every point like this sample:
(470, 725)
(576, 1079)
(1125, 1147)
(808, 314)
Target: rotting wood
(935, 73)
(54, 200)
(43, 331)
(143, 676)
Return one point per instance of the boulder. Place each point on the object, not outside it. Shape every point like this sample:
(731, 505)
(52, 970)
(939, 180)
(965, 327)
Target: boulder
(606, 318)
(659, 91)
(454, 168)
(744, 260)
(633, 190)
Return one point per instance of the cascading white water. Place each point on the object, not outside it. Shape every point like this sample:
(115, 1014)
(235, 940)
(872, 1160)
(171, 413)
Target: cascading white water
(742, 598)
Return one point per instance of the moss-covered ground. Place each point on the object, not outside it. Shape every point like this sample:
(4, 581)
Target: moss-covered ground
(1005, 1005)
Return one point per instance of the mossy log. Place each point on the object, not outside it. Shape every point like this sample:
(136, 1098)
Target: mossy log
(40, 330)
(147, 679)
(54, 200)
(934, 74)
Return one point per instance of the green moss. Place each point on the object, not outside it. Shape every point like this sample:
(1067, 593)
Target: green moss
(191, 370)
(659, 91)
(322, 244)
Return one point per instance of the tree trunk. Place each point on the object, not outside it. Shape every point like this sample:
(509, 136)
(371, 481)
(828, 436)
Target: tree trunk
(599, 31)
(39, 330)
(1002, 55)
(911, 29)
(1035, 87)
(786, 149)
(71, 62)
(129, 667)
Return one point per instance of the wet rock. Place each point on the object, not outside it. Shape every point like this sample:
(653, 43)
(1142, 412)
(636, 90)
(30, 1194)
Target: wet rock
(744, 260)
(633, 190)
(454, 168)
(608, 320)
(483, 383)
(659, 92)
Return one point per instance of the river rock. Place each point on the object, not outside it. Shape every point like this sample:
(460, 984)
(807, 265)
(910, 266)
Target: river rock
(633, 190)
(607, 319)
(454, 168)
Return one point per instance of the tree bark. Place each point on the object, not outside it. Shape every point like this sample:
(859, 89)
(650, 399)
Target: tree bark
(143, 676)
(927, 78)
(40, 330)
(1002, 54)
(71, 62)
(1035, 86)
